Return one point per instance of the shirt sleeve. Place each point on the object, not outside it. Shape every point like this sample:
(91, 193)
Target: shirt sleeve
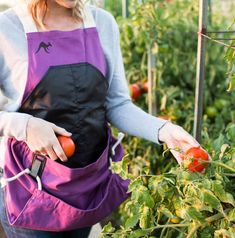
(12, 124)
(121, 112)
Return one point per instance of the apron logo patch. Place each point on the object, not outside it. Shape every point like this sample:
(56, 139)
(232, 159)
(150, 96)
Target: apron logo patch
(44, 46)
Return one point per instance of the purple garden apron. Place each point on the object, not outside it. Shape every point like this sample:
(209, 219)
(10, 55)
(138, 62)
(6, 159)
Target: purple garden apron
(66, 85)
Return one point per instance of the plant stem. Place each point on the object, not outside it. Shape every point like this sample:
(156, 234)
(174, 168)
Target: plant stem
(222, 165)
(209, 220)
(216, 216)
(228, 175)
(191, 233)
(217, 163)
(163, 232)
(151, 228)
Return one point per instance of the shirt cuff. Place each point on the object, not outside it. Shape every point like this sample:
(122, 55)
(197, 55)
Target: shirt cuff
(14, 124)
(158, 140)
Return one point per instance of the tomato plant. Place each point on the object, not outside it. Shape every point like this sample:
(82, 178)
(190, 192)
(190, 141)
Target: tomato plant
(179, 203)
(67, 145)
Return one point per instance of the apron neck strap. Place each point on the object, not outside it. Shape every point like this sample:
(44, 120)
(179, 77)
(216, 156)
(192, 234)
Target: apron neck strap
(22, 12)
(88, 19)
(29, 25)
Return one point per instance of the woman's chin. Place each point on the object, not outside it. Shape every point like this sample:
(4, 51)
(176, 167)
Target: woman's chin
(70, 4)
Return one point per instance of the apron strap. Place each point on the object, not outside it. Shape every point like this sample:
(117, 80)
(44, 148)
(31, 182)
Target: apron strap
(21, 10)
(88, 18)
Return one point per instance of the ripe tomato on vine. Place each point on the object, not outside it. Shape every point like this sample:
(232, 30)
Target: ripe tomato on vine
(135, 91)
(199, 158)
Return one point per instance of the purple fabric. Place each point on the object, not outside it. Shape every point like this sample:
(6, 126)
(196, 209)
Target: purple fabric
(87, 194)
(67, 47)
(71, 198)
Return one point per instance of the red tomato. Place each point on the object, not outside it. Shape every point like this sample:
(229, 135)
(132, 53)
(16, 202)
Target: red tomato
(135, 91)
(197, 153)
(145, 87)
(67, 145)
(165, 117)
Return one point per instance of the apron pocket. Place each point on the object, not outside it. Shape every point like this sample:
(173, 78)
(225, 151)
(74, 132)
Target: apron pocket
(44, 211)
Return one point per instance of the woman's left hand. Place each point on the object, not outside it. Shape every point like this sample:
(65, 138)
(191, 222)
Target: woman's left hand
(177, 140)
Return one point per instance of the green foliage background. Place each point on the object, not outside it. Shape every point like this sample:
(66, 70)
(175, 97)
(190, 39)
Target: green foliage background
(159, 187)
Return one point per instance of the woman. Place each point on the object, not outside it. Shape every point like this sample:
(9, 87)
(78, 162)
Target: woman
(62, 71)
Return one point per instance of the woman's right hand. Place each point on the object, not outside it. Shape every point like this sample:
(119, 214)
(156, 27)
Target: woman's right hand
(41, 138)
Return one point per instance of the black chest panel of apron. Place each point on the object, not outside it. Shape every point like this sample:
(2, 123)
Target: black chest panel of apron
(73, 96)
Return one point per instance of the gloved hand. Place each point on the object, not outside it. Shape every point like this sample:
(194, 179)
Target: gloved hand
(41, 138)
(175, 137)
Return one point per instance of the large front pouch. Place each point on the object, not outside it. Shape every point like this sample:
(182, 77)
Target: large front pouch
(71, 198)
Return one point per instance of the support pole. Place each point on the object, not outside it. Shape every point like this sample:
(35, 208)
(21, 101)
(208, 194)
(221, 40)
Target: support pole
(125, 11)
(152, 82)
(203, 12)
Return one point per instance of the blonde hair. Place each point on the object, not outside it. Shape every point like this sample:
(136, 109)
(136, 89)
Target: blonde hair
(38, 9)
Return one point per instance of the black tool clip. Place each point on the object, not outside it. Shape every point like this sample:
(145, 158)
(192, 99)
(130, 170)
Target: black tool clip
(38, 165)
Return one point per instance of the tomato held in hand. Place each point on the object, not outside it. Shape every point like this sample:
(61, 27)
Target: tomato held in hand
(197, 154)
(67, 145)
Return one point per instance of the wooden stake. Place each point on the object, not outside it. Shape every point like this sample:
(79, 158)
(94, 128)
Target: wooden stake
(203, 12)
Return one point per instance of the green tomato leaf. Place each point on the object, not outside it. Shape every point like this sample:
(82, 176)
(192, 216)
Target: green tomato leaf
(231, 86)
(207, 232)
(116, 167)
(194, 214)
(148, 200)
(137, 234)
(145, 218)
(230, 130)
(142, 195)
(223, 149)
(118, 235)
(154, 182)
(210, 199)
(218, 142)
(108, 228)
(223, 196)
(132, 221)
(231, 215)
(134, 185)
(166, 212)
(125, 163)
(206, 183)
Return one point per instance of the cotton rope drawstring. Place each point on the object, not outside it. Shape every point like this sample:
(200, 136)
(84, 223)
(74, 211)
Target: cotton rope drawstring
(119, 140)
(5, 181)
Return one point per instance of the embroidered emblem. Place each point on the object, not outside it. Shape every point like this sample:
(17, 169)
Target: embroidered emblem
(44, 46)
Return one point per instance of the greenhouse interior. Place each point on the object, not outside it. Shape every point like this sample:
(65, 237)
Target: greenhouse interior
(165, 97)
